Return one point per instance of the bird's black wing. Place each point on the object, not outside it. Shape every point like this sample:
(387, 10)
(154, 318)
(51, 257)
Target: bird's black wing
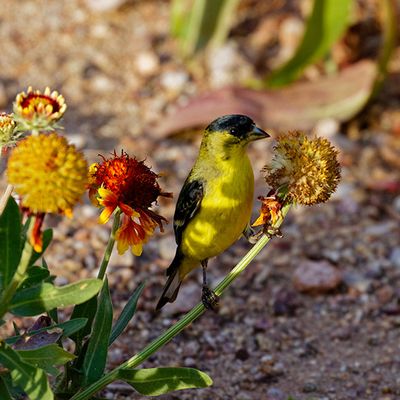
(187, 206)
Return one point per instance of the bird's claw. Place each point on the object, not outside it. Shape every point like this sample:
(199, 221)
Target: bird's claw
(271, 232)
(209, 299)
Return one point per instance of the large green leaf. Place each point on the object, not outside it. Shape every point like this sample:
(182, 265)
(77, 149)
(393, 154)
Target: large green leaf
(327, 22)
(157, 381)
(46, 357)
(126, 314)
(96, 354)
(31, 379)
(10, 242)
(41, 298)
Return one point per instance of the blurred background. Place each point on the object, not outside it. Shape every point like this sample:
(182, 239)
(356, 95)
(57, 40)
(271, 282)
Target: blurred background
(318, 314)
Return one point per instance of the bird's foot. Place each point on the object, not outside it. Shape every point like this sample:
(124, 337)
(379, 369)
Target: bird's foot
(209, 299)
(271, 232)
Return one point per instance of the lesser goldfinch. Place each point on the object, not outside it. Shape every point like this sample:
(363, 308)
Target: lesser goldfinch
(215, 203)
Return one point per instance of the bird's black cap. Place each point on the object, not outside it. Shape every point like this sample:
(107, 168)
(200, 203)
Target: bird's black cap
(236, 124)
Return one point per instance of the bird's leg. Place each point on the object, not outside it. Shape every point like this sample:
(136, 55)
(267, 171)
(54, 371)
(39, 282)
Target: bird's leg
(208, 297)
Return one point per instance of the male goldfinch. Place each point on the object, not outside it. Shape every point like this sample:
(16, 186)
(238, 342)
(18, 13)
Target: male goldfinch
(215, 203)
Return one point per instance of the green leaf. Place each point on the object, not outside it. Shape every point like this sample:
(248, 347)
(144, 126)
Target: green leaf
(4, 392)
(201, 23)
(96, 354)
(47, 238)
(157, 381)
(86, 310)
(31, 379)
(10, 242)
(126, 314)
(326, 24)
(41, 298)
(389, 22)
(34, 276)
(68, 328)
(46, 357)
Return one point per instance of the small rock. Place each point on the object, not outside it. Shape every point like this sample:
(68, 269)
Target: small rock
(357, 282)
(309, 387)
(285, 303)
(147, 63)
(276, 394)
(395, 257)
(174, 81)
(316, 277)
(385, 294)
(396, 204)
(327, 127)
(242, 354)
(104, 5)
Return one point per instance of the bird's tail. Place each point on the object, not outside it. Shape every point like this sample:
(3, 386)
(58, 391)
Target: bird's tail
(173, 284)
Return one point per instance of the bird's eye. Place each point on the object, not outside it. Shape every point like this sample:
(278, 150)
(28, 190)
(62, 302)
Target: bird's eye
(233, 131)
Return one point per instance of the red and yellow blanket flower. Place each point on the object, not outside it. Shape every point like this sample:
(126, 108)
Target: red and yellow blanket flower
(122, 183)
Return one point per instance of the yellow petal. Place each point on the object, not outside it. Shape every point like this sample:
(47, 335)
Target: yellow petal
(105, 215)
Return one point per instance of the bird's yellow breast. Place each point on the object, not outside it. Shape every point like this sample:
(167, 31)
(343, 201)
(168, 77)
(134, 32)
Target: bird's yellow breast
(225, 209)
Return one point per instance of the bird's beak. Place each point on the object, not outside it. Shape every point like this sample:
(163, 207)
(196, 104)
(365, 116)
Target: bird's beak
(257, 134)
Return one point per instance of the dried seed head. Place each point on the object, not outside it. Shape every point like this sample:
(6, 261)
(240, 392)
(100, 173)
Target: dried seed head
(305, 171)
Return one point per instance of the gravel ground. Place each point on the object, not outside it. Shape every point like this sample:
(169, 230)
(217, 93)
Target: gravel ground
(317, 315)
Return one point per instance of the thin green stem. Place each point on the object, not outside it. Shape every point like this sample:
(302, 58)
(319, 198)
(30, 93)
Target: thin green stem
(18, 276)
(187, 319)
(110, 246)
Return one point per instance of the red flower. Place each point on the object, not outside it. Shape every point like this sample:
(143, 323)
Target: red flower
(124, 183)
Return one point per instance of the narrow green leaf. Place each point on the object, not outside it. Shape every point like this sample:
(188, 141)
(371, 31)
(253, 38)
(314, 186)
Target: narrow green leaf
(96, 354)
(201, 23)
(326, 24)
(34, 276)
(41, 298)
(47, 238)
(157, 381)
(10, 242)
(126, 314)
(4, 392)
(68, 328)
(53, 314)
(389, 21)
(32, 380)
(46, 357)
(86, 310)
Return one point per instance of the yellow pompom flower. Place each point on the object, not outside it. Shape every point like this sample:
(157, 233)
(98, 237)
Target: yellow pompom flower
(306, 171)
(49, 174)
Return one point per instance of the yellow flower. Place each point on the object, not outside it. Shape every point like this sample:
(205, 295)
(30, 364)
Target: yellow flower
(303, 170)
(7, 129)
(49, 174)
(36, 110)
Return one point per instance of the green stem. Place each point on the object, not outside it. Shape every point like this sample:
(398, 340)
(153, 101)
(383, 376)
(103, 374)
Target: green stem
(110, 246)
(187, 319)
(18, 276)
